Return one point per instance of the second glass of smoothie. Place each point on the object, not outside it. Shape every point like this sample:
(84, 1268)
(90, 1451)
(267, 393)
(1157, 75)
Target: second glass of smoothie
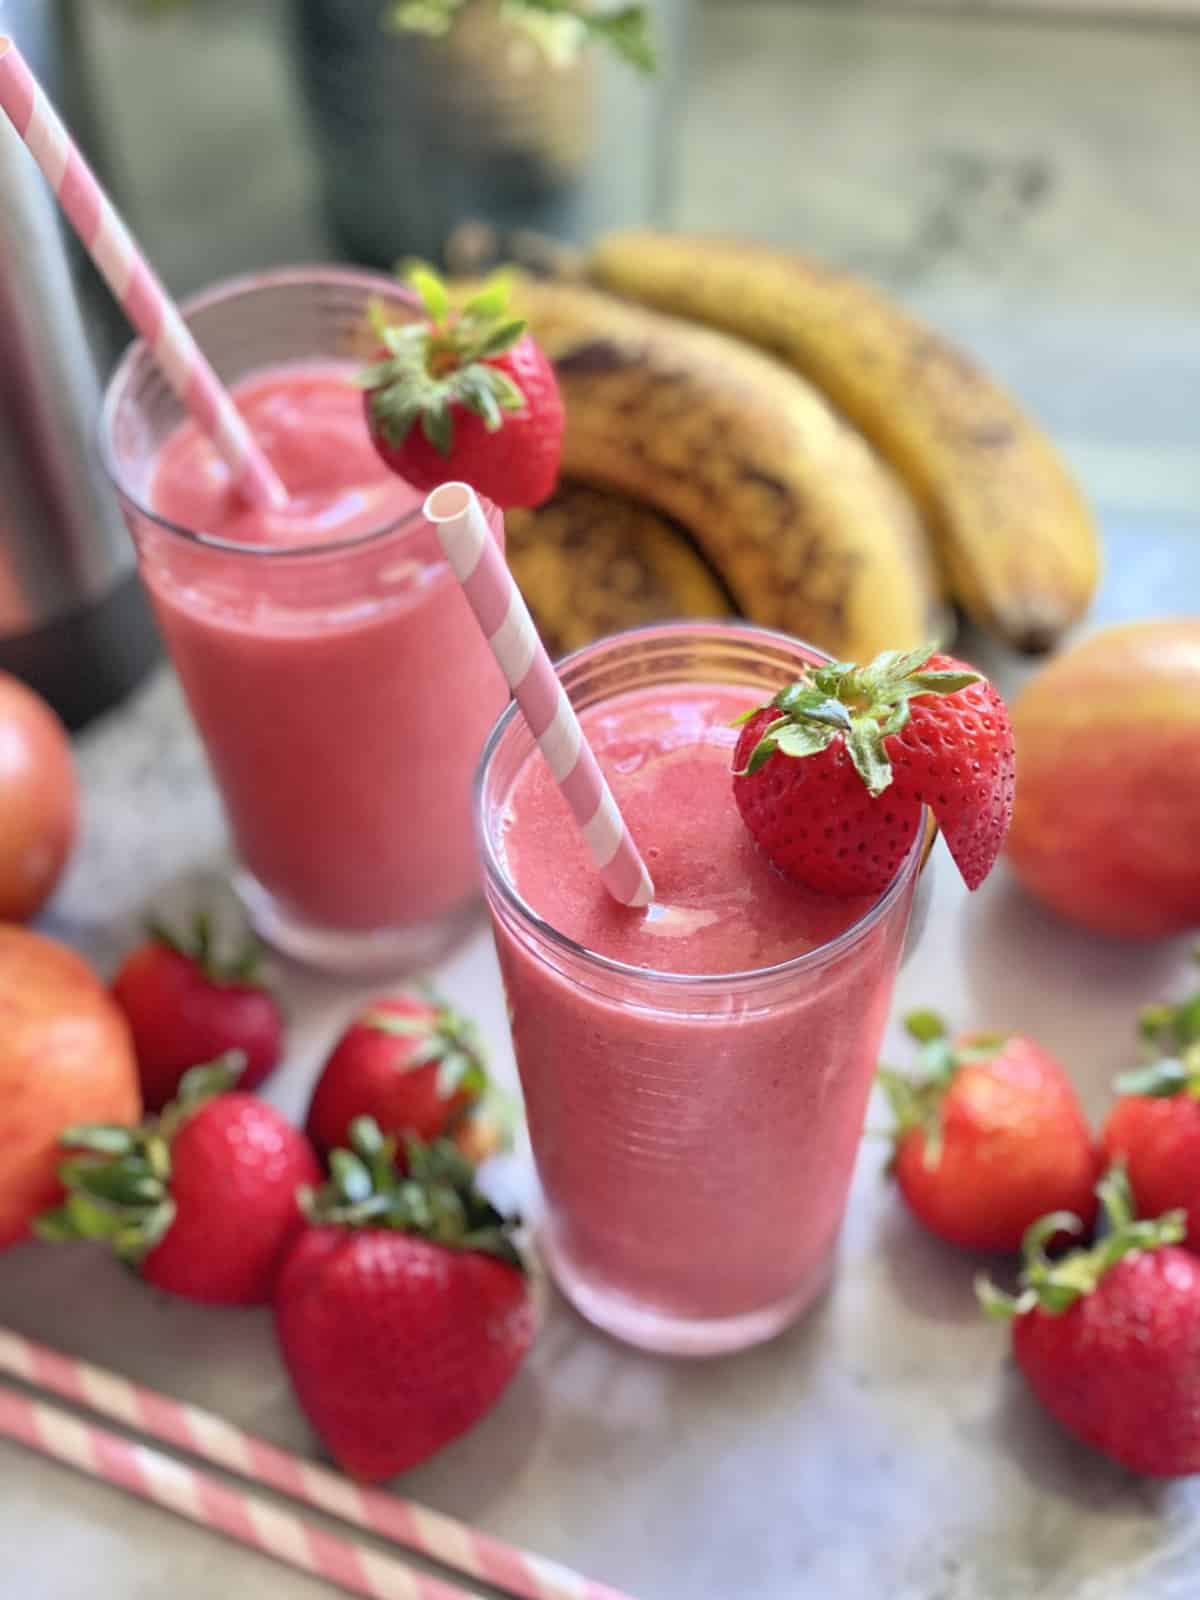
(331, 663)
(696, 1074)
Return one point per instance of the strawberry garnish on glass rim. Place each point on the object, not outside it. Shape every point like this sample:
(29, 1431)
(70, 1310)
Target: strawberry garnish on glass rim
(467, 393)
(830, 776)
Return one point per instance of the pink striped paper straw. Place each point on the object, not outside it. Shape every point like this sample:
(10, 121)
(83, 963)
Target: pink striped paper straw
(132, 280)
(402, 1522)
(501, 612)
(245, 1518)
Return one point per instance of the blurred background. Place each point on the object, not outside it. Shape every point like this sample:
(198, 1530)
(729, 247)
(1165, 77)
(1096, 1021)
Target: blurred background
(1021, 174)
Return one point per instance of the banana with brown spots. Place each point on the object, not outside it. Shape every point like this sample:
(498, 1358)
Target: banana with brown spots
(591, 562)
(1014, 535)
(807, 529)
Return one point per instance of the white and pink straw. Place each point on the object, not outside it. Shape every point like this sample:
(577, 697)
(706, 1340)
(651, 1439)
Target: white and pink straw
(501, 612)
(132, 280)
(153, 1475)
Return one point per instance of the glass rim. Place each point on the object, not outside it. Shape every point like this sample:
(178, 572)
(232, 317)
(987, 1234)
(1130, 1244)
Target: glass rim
(707, 982)
(137, 352)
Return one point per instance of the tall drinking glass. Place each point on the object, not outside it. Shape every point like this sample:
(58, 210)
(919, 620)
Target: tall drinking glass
(694, 1132)
(340, 685)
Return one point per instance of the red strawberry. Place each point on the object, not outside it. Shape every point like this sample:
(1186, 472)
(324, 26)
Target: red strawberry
(409, 1062)
(1109, 1338)
(403, 1312)
(830, 777)
(1154, 1130)
(201, 1200)
(990, 1137)
(185, 1007)
(484, 396)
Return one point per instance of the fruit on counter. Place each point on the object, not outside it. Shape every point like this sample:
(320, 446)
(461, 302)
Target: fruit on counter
(831, 776)
(805, 527)
(402, 1311)
(1015, 538)
(201, 1200)
(990, 1136)
(466, 394)
(591, 562)
(39, 800)
(65, 1054)
(1154, 1131)
(1108, 741)
(1109, 1337)
(408, 1061)
(187, 1005)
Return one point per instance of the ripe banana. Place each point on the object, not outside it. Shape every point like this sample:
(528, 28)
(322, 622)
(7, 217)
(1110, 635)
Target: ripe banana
(804, 525)
(590, 563)
(1015, 538)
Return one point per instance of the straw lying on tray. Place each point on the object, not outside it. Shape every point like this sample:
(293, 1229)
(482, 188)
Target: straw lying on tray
(164, 1481)
(161, 1478)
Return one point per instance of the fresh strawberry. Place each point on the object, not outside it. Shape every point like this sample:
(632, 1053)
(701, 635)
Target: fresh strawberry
(409, 1062)
(1154, 1129)
(466, 394)
(185, 1006)
(990, 1136)
(831, 776)
(1109, 1338)
(202, 1200)
(402, 1312)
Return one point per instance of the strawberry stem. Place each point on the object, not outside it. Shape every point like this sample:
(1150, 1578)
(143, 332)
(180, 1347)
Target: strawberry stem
(433, 1195)
(863, 706)
(199, 945)
(1162, 1079)
(431, 366)
(1055, 1286)
(117, 1179)
(916, 1101)
(449, 1038)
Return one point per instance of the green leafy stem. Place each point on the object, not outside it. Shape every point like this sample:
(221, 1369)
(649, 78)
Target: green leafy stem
(624, 29)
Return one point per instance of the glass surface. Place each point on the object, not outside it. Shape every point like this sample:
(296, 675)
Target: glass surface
(694, 1135)
(342, 689)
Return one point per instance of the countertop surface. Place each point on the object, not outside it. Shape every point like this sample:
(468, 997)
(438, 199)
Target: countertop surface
(886, 1446)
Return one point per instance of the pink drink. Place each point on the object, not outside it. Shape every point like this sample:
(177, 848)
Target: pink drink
(330, 661)
(696, 1075)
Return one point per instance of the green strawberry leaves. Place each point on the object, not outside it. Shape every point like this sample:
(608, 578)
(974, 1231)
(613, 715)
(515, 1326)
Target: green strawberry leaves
(862, 705)
(916, 1101)
(432, 1195)
(117, 1179)
(199, 944)
(1162, 1079)
(448, 1038)
(1056, 1285)
(432, 365)
(1172, 1031)
(563, 27)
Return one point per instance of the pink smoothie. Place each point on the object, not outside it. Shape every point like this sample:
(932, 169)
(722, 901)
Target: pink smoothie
(343, 696)
(694, 1142)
